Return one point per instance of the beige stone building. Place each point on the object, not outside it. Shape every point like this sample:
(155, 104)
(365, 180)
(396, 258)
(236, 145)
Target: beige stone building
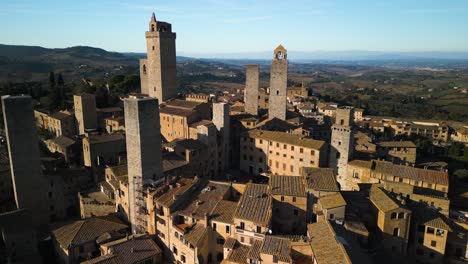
(326, 248)
(400, 152)
(332, 207)
(460, 135)
(62, 124)
(374, 171)
(278, 84)
(280, 153)
(177, 115)
(65, 146)
(85, 112)
(77, 241)
(434, 131)
(102, 150)
(430, 233)
(115, 124)
(392, 218)
(289, 204)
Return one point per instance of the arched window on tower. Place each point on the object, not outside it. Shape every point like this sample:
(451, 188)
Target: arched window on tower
(144, 69)
(277, 92)
(152, 27)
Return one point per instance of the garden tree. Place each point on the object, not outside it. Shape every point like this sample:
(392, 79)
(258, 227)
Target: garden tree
(455, 149)
(55, 100)
(461, 174)
(102, 97)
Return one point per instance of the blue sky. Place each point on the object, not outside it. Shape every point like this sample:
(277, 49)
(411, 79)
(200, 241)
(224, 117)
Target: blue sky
(219, 26)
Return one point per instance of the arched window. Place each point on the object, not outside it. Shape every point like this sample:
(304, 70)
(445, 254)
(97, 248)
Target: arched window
(277, 92)
(144, 69)
(152, 28)
(393, 215)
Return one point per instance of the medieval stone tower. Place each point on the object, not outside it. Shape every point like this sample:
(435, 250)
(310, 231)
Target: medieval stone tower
(158, 70)
(278, 84)
(252, 84)
(29, 186)
(143, 153)
(341, 149)
(85, 112)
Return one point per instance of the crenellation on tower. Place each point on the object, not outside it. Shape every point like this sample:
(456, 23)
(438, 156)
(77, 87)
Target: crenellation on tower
(278, 84)
(158, 70)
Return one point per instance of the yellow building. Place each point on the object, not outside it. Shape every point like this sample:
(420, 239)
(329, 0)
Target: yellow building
(374, 171)
(401, 152)
(460, 135)
(280, 153)
(392, 219)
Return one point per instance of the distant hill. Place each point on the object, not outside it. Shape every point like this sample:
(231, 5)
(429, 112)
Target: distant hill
(31, 63)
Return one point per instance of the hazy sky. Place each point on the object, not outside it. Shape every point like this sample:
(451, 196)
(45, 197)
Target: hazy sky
(219, 26)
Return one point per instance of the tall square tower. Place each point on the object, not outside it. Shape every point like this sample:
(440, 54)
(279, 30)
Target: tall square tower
(158, 70)
(278, 84)
(23, 150)
(143, 136)
(85, 112)
(252, 84)
(341, 149)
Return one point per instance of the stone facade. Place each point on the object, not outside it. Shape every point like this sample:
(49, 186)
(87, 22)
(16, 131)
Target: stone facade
(143, 139)
(252, 85)
(222, 122)
(341, 149)
(278, 84)
(85, 112)
(23, 151)
(158, 70)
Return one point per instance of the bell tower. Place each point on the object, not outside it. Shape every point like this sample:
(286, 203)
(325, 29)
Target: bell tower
(278, 84)
(158, 70)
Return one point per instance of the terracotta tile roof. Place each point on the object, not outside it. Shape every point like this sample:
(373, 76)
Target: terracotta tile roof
(201, 123)
(178, 103)
(361, 163)
(332, 201)
(402, 171)
(417, 174)
(119, 170)
(196, 234)
(230, 243)
(96, 139)
(61, 115)
(86, 230)
(63, 141)
(430, 217)
(255, 204)
(278, 247)
(282, 137)
(224, 212)
(326, 247)
(287, 186)
(238, 254)
(463, 131)
(204, 201)
(382, 200)
(320, 179)
(106, 259)
(171, 161)
(176, 111)
(397, 144)
(134, 249)
(189, 143)
(166, 198)
(254, 252)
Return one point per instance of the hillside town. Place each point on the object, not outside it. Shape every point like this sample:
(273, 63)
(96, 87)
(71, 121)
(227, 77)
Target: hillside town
(264, 175)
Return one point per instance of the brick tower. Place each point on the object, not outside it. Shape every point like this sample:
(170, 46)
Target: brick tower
(278, 84)
(158, 70)
(341, 149)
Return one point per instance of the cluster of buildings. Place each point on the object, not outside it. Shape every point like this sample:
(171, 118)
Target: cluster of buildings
(187, 179)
